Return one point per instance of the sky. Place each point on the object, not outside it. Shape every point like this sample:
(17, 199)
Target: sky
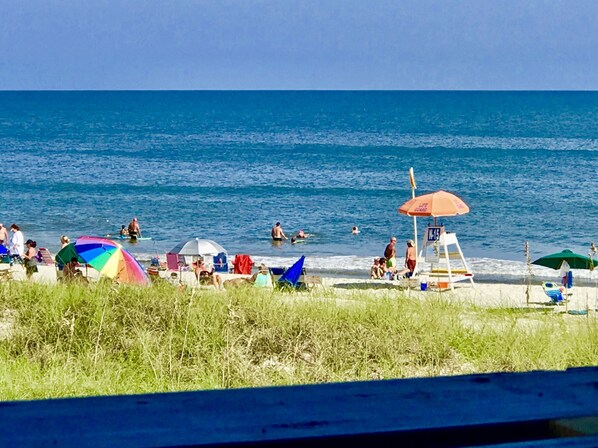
(299, 44)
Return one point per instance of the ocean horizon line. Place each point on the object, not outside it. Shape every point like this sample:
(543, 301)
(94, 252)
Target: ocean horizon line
(556, 90)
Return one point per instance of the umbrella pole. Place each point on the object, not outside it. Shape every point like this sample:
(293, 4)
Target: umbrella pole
(413, 187)
(529, 274)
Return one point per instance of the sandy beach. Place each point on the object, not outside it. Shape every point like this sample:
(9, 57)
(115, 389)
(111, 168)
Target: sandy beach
(490, 295)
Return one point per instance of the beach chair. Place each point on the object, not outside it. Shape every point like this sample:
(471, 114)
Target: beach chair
(555, 292)
(242, 264)
(4, 257)
(172, 261)
(176, 262)
(176, 265)
(291, 276)
(220, 263)
(45, 257)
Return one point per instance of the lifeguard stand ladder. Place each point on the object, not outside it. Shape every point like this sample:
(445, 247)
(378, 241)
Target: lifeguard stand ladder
(439, 248)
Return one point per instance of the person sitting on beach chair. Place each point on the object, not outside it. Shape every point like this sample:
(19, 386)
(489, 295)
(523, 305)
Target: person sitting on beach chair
(205, 275)
(555, 292)
(71, 271)
(387, 272)
(263, 279)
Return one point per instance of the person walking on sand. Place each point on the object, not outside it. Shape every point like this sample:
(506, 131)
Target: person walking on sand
(30, 258)
(410, 257)
(17, 242)
(277, 233)
(390, 253)
(64, 241)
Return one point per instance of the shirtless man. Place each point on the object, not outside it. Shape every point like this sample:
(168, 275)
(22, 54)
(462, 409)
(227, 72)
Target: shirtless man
(410, 258)
(390, 253)
(3, 235)
(134, 229)
(277, 233)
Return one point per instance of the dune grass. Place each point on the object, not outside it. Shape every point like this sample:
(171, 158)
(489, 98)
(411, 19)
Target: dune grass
(76, 340)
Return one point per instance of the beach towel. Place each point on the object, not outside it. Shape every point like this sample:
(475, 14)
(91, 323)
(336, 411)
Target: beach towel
(243, 264)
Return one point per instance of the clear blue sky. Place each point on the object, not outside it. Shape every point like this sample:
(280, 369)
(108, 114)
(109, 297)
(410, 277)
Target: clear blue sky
(299, 44)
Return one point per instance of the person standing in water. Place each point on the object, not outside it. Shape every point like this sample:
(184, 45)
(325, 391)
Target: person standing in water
(277, 233)
(134, 229)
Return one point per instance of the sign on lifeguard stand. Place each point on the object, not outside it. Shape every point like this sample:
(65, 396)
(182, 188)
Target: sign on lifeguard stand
(435, 250)
(430, 245)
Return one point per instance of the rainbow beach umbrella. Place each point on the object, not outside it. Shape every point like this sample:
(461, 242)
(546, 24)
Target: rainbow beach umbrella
(110, 259)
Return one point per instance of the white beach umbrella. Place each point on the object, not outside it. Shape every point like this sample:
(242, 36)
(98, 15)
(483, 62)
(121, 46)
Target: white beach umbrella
(197, 246)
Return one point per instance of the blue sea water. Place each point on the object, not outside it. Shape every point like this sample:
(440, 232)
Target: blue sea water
(228, 165)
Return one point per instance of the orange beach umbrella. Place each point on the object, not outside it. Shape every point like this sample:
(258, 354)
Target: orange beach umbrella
(440, 203)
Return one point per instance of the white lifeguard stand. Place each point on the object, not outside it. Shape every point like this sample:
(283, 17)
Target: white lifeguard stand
(439, 248)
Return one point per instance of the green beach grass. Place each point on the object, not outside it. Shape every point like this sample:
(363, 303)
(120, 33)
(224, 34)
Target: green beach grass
(102, 339)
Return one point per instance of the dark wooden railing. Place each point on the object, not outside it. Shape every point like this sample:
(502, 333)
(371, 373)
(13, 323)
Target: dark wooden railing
(552, 409)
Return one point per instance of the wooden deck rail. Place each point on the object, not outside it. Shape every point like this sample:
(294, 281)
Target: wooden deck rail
(514, 409)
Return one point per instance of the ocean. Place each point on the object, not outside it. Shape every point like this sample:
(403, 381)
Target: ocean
(228, 165)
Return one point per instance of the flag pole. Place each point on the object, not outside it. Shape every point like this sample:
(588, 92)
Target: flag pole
(413, 188)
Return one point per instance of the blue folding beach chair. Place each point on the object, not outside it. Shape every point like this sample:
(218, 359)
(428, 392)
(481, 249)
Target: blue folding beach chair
(221, 262)
(291, 276)
(554, 291)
